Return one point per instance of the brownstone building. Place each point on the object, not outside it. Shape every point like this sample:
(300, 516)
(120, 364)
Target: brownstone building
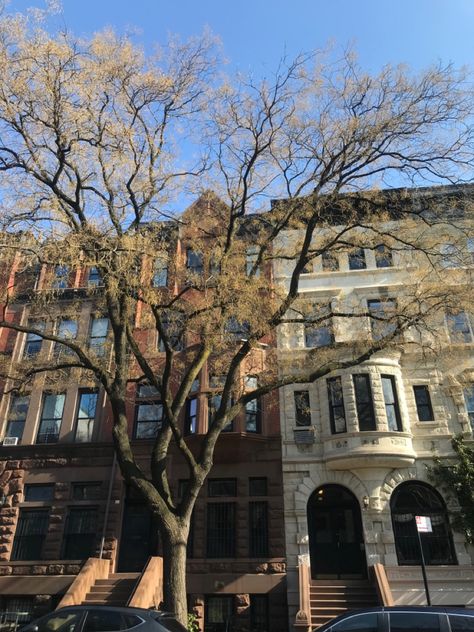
(62, 499)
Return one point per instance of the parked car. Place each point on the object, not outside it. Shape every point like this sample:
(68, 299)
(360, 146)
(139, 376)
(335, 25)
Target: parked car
(403, 619)
(92, 618)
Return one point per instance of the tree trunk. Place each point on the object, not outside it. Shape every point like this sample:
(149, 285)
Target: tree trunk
(174, 571)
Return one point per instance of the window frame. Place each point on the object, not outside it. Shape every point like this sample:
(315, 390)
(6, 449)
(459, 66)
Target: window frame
(38, 543)
(333, 406)
(45, 420)
(191, 415)
(303, 417)
(453, 329)
(468, 395)
(354, 256)
(395, 403)
(150, 401)
(365, 409)
(423, 388)
(33, 339)
(97, 344)
(17, 420)
(383, 256)
(77, 418)
(72, 538)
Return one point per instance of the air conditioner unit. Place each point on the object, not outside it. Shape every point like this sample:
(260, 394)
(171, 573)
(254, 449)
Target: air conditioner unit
(10, 441)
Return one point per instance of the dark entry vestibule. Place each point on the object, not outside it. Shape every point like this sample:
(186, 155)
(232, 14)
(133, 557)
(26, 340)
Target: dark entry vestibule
(336, 540)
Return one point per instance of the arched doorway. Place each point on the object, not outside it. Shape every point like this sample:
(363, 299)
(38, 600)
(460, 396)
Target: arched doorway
(336, 543)
(419, 499)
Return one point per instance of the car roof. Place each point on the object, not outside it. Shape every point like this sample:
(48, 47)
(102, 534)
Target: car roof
(434, 609)
(125, 609)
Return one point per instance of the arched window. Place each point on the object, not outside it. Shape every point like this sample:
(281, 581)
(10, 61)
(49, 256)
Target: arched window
(418, 499)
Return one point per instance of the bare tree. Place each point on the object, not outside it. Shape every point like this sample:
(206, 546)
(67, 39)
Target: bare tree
(89, 132)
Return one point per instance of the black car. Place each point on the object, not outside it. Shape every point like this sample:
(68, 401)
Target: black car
(403, 619)
(90, 618)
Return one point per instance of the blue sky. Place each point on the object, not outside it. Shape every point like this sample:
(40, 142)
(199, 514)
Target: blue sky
(255, 33)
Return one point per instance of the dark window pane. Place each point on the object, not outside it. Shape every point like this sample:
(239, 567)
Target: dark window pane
(423, 403)
(190, 423)
(64, 621)
(253, 417)
(17, 416)
(420, 621)
(130, 621)
(35, 493)
(383, 256)
(86, 491)
(364, 404)
(160, 271)
(80, 533)
(302, 408)
(469, 401)
(194, 261)
(360, 622)
(258, 529)
(459, 327)
(259, 613)
(461, 623)
(357, 259)
(258, 486)
(51, 417)
(392, 409)
(31, 529)
(103, 621)
(336, 405)
(33, 341)
(85, 415)
(218, 614)
(221, 530)
(222, 487)
(169, 623)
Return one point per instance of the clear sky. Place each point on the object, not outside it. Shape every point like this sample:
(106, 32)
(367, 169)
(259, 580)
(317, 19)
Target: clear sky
(255, 33)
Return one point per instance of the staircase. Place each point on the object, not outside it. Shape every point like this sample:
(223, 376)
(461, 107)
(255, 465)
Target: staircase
(114, 591)
(331, 597)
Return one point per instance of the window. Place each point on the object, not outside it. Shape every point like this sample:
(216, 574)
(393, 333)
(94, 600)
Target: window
(86, 491)
(160, 271)
(67, 329)
(302, 408)
(51, 417)
(85, 415)
(218, 613)
(259, 621)
(17, 416)
(253, 415)
(459, 327)
(213, 405)
(408, 621)
(39, 493)
(336, 405)
(63, 621)
(469, 400)
(148, 413)
(382, 317)
(60, 279)
(98, 335)
(258, 486)
(107, 621)
(392, 409)
(221, 487)
(237, 331)
(319, 334)
(251, 256)
(364, 403)
(258, 528)
(461, 623)
(194, 261)
(33, 341)
(94, 279)
(80, 533)
(383, 256)
(30, 532)
(173, 327)
(367, 622)
(221, 529)
(470, 249)
(423, 402)
(329, 261)
(190, 422)
(450, 256)
(357, 259)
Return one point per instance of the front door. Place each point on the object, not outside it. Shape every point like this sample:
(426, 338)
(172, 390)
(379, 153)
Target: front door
(335, 534)
(138, 539)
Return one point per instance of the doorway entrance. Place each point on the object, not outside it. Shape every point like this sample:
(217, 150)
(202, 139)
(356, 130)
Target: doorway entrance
(336, 543)
(139, 538)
